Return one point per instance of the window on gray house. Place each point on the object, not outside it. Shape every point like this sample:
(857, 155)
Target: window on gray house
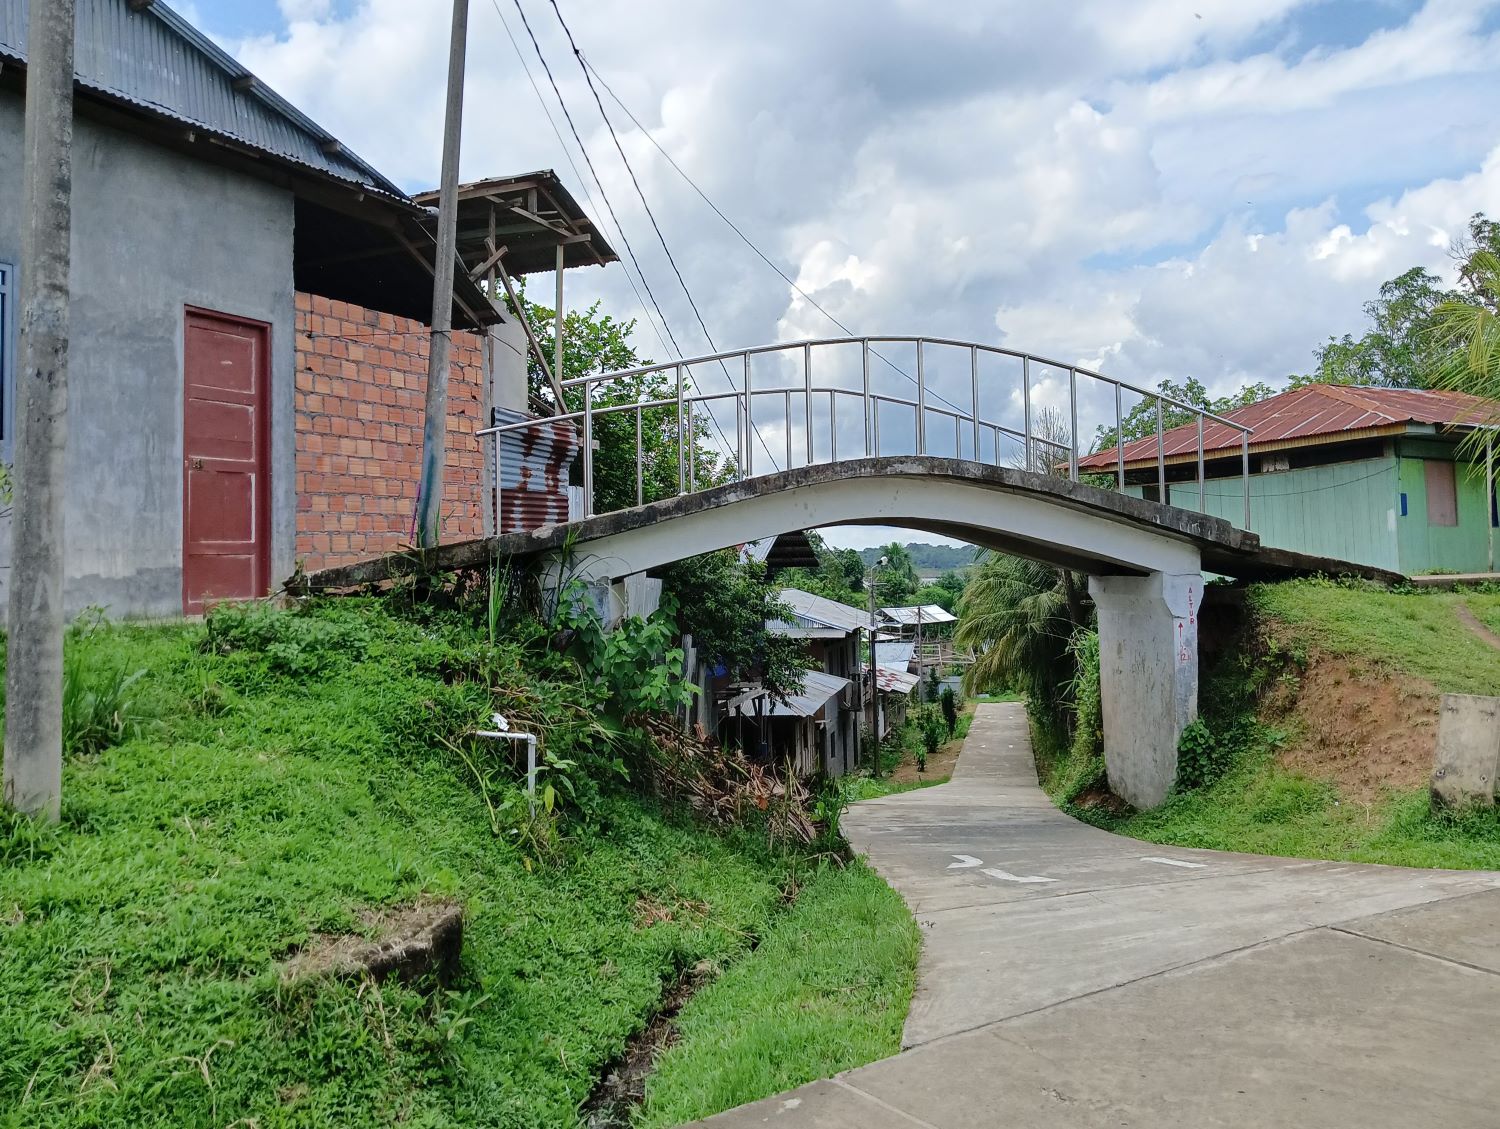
(1442, 492)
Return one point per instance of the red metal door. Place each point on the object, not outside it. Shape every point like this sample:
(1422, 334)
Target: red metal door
(226, 528)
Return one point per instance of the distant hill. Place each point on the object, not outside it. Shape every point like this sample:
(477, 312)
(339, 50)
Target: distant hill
(929, 558)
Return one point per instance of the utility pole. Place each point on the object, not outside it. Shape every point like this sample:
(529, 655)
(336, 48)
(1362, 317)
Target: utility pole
(33, 677)
(435, 425)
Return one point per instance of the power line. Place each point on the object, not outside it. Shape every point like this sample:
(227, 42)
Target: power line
(595, 174)
(662, 239)
(813, 302)
(568, 153)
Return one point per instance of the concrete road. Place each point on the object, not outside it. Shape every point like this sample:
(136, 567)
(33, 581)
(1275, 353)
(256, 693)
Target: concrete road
(1070, 977)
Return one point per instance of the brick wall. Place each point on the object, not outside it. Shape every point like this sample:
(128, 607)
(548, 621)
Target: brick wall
(361, 383)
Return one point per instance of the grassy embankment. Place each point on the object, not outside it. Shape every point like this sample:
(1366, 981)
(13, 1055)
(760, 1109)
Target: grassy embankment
(899, 757)
(1319, 733)
(269, 779)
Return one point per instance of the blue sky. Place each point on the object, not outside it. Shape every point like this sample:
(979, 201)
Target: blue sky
(1166, 188)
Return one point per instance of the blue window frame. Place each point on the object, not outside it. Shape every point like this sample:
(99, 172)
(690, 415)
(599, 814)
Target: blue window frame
(8, 303)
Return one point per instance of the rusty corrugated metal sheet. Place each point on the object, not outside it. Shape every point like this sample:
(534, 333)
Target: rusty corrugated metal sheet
(1302, 417)
(535, 463)
(156, 60)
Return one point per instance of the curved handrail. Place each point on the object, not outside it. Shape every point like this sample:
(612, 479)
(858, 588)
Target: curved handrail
(688, 400)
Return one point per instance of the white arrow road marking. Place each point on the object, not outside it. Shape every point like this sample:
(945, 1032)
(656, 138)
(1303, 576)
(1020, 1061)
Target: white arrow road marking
(1007, 876)
(1174, 862)
(965, 862)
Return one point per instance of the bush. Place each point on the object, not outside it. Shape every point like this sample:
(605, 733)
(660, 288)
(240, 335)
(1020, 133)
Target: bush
(1202, 758)
(950, 710)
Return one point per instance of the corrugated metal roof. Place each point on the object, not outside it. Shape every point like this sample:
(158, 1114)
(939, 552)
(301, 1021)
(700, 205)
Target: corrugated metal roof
(155, 60)
(829, 613)
(924, 614)
(817, 688)
(897, 656)
(1314, 411)
(895, 681)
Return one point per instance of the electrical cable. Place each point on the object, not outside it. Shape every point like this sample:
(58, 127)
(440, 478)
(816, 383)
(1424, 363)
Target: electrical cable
(568, 153)
(650, 215)
(813, 302)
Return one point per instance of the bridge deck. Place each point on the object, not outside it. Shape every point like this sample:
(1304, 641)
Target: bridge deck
(1224, 548)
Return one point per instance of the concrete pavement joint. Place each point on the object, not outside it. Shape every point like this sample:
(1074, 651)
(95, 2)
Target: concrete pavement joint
(1439, 957)
(838, 1080)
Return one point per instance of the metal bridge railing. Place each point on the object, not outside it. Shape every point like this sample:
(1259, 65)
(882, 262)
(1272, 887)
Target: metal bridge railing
(776, 395)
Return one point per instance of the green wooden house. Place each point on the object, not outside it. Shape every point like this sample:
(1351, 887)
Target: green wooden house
(1370, 475)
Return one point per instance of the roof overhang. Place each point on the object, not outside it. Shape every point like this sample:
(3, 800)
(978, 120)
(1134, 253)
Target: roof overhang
(531, 216)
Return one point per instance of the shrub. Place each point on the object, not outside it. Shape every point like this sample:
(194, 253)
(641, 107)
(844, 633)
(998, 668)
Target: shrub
(1202, 758)
(950, 710)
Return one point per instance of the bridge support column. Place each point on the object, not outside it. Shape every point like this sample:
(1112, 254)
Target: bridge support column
(1148, 674)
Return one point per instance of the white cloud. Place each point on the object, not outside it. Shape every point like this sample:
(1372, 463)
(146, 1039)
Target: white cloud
(1169, 188)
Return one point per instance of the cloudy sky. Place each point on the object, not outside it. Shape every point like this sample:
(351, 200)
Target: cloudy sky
(1156, 188)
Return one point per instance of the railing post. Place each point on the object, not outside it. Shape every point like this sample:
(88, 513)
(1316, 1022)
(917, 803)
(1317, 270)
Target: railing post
(921, 403)
(1245, 472)
(870, 447)
(875, 411)
(974, 388)
(1026, 411)
(1119, 442)
(1202, 499)
(807, 400)
(640, 459)
(833, 425)
(588, 449)
(1161, 458)
(499, 496)
(749, 423)
(1073, 424)
(681, 440)
(787, 420)
(692, 451)
(741, 432)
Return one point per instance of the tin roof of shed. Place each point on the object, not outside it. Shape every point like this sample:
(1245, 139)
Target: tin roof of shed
(150, 57)
(1306, 416)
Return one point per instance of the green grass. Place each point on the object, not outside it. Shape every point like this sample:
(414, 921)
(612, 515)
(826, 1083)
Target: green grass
(826, 990)
(1261, 807)
(281, 781)
(1416, 633)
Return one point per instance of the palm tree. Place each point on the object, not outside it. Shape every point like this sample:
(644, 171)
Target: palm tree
(1018, 617)
(1466, 330)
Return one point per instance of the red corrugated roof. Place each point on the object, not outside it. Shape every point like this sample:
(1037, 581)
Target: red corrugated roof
(1305, 413)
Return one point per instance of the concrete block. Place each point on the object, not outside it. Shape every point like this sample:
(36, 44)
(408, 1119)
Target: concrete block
(1468, 751)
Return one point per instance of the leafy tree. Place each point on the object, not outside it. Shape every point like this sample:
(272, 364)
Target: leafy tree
(936, 594)
(1466, 327)
(724, 603)
(595, 343)
(896, 581)
(1398, 350)
(1018, 617)
(1140, 421)
(840, 575)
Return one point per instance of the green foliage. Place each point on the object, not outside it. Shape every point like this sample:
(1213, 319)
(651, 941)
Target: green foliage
(266, 806)
(724, 602)
(896, 581)
(949, 702)
(1415, 632)
(826, 990)
(637, 664)
(840, 575)
(1018, 616)
(1073, 765)
(1202, 757)
(1140, 421)
(595, 343)
(945, 558)
(932, 738)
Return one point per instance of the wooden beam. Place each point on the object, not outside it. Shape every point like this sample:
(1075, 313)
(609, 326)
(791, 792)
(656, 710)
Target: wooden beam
(536, 346)
(416, 254)
(490, 262)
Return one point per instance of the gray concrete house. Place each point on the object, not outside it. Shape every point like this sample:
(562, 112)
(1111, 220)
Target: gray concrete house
(203, 204)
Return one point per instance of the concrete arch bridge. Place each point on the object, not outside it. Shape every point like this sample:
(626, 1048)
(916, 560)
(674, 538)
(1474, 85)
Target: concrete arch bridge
(974, 448)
